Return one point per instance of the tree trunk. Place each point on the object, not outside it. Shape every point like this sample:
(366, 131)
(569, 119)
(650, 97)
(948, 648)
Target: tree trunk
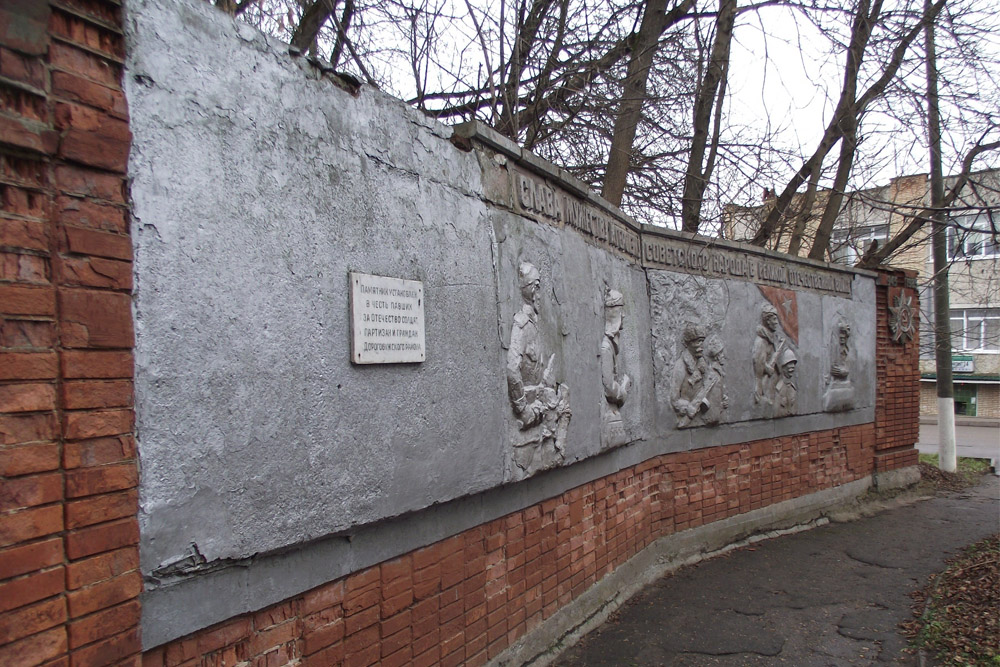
(311, 22)
(835, 128)
(630, 106)
(342, 26)
(711, 92)
(947, 459)
(848, 149)
(804, 213)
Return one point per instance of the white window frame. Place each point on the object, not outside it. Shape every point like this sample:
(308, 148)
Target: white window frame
(974, 244)
(847, 244)
(979, 321)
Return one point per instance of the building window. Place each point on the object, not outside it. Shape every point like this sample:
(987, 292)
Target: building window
(976, 329)
(849, 244)
(971, 237)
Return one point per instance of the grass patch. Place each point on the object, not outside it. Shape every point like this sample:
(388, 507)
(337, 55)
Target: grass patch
(969, 470)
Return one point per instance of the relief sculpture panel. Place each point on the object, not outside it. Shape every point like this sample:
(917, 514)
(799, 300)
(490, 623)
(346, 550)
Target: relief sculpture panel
(785, 389)
(839, 394)
(697, 390)
(766, 347)
(727, 352)
(615, 380)
(540, 403)
(773, 356)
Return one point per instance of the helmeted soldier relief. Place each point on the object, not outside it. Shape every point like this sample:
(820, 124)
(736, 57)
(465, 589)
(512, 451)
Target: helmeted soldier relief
(785, 389)
(540, 404)
(766, 348)
(616, 381)
(694, 382)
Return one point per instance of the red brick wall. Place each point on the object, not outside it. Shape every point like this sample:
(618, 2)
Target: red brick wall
(69, 576)
(897, 405)
(465, 599)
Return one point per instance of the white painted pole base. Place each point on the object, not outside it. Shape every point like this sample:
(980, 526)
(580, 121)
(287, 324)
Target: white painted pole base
(947, 452)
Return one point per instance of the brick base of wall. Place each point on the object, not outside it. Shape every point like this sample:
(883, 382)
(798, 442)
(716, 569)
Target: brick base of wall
(69, 554)
(467, 598)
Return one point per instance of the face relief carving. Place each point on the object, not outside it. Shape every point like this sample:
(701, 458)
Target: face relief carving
(540, 404)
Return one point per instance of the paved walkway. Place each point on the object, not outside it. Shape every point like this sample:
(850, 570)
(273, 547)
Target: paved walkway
(829, 596)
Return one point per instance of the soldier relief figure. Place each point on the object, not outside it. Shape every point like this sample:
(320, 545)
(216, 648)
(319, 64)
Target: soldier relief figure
(785, 389)
(766, 350)
(616, 381)
(839, 387)
(697, 392)
(540, 404)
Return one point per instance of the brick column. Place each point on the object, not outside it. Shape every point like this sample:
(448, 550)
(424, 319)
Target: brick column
(69, 578)
(897, 406)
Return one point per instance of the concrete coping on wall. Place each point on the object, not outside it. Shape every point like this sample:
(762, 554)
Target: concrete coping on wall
(491, 139)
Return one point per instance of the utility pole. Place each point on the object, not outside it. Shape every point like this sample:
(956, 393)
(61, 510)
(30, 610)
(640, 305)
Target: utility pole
(947, 458)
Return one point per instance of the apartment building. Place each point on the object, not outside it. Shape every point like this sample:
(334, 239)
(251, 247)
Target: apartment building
(876, 214)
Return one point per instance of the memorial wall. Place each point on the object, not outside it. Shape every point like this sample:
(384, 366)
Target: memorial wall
(357, 334)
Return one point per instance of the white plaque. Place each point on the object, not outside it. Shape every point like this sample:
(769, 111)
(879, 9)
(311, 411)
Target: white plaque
(387, 320)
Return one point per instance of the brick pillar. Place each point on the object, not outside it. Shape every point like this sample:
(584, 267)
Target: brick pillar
(897, 406)
(69, 558)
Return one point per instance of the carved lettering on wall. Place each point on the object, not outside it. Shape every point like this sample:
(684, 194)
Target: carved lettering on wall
(540, 403)
(539, 199)
(616, 381)
(724, 262)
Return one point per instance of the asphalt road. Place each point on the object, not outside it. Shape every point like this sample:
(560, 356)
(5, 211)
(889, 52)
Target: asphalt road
(979, 442)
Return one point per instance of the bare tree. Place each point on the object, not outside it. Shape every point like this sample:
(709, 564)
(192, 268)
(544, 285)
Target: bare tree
(655, 20)
(631, 97)
(842, 127)
(710, 95)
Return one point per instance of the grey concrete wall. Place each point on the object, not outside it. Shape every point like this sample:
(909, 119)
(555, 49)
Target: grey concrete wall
(270, 463)
(256, 187)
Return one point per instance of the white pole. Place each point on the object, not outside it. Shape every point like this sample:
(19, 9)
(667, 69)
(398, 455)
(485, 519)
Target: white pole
(947, 452)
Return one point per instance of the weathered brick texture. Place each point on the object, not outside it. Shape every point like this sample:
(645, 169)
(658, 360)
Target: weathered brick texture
(897, 409)
(69, 578)
(465, 599)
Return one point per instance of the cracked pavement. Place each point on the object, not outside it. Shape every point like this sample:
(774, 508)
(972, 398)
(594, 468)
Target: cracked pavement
(834, 595)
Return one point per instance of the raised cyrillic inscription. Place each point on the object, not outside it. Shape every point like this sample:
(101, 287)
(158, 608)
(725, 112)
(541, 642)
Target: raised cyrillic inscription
(387, 320)
(721, 262)
(539, 199)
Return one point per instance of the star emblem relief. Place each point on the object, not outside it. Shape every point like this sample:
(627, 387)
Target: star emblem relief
(902, 319)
